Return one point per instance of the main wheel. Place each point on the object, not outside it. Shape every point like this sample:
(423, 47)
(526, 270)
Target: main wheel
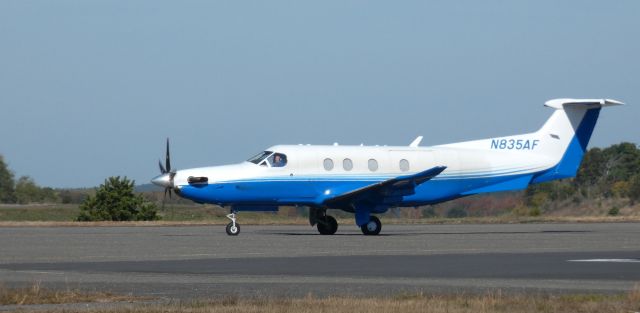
(329, 226)
(373, 227)
(233, 230)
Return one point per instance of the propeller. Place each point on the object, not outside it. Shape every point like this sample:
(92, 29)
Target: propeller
(165, 179)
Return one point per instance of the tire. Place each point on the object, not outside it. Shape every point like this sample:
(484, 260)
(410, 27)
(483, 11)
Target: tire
(233, 231)
(372, 228)
(329, 226)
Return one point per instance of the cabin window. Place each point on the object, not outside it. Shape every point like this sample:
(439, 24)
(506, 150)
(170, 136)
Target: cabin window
(259, 157)
(328, 164)
(404, 165)
(347, 164)
(278, 160)
(373, 165)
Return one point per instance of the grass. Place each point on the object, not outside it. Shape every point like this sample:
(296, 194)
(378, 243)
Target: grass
(64, 215)
(406, 303)
(46, 212)
(38, 295)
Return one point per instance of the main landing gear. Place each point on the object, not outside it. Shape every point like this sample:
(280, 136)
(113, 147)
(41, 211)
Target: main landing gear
(373, 227)
(233, 228)
(327, 225)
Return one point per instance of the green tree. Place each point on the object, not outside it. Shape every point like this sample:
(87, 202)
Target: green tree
(115, 201)
(27, 191)
(591, 168)
(634, 188)
(7, 191)
(623, 161)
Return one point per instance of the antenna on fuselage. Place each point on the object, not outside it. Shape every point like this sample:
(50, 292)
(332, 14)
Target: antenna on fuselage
(416, 142)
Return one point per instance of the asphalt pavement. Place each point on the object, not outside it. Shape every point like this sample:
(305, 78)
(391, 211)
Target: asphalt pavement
(194, 262)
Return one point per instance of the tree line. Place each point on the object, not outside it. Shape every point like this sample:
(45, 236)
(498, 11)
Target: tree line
(24, 190)
(613, 172)
(605, 173)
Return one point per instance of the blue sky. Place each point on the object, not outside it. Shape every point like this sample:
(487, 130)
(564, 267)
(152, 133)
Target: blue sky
(91, 89)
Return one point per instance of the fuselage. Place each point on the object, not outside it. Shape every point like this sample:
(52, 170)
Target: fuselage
(313, 172)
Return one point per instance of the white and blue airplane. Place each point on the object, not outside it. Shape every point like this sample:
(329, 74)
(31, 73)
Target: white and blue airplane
(367, 180)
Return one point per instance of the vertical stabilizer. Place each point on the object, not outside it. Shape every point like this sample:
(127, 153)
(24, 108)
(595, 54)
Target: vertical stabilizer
(565, 135)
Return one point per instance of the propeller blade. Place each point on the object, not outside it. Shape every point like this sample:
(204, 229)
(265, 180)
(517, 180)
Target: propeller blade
(162, 169)
(168, 158)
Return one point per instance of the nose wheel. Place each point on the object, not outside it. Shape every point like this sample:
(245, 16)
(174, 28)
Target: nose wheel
(233, 228)
(373, 227)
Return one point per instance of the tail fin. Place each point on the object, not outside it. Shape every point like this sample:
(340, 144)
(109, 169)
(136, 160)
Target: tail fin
(565, 135)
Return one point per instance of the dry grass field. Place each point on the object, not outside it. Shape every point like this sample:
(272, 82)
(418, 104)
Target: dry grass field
(36, 294)
(409, 303)
(183, 215)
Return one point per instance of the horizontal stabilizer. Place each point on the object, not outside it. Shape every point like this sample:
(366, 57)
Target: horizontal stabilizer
(560, 103)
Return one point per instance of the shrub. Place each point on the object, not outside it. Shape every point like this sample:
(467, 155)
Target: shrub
(534, 211)
(614, 211)
(457, 213)
(634, 188)
(429, 212)
(115, 201)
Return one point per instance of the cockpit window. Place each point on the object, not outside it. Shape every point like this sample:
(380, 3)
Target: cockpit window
(259, 157)
(278, 160)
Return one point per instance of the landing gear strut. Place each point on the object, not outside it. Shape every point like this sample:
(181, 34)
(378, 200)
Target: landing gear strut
(233, 228)
(373, 227)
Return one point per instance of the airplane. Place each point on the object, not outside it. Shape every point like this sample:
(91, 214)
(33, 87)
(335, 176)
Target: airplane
(367, 180)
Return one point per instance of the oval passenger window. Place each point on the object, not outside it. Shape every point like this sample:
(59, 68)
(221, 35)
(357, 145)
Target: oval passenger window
(404, 165)
(328, 164)
(347, 164)
(373, 165)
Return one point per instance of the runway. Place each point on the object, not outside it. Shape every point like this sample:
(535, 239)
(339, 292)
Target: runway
(193, 262)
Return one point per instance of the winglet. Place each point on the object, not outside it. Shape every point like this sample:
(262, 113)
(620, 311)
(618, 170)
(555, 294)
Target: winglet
(416, 142)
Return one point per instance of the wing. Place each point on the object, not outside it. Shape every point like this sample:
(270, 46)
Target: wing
(391, 188)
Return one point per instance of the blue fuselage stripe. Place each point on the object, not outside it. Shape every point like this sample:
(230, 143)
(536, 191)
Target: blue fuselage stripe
(296, 191)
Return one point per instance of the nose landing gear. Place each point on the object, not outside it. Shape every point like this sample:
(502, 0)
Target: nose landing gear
(233, 228)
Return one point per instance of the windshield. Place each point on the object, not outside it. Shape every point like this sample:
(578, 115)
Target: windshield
(259, 157)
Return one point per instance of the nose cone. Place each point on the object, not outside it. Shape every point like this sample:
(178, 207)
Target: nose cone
(163, 180)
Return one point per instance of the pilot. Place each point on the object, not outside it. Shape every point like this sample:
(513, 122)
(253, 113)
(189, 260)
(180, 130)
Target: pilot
(278, 160)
